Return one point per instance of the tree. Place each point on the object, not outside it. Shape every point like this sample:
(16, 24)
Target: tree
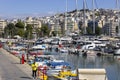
(6, 32)
(37, 30)
(20, 28)
(80, 25)
(89, 30)
(54, 33)
(10, 30)
(28, 32)
(45, 30)
(20, 24)
(20, 32)
(98, 30)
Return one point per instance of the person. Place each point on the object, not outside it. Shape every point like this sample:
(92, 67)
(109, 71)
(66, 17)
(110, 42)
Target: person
(34, 70)
(35, 58)
(20, 55)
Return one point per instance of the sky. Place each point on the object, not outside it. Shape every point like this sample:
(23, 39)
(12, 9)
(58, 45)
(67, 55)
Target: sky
(20, 8)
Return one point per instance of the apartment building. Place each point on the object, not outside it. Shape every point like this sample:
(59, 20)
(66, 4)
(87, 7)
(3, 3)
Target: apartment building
(3, 24)
(35, 22)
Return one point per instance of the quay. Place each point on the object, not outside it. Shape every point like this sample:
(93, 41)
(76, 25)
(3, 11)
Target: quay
(13, 70)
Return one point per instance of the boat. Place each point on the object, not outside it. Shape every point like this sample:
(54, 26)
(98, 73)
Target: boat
(16, 50)
(92, 44)
(42, 60)
(41, 47)
(63, 50)
(56, 66)
(34, 51)
(66, 74)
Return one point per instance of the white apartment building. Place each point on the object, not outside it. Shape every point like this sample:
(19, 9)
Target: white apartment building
(36, 23)
(3, 24)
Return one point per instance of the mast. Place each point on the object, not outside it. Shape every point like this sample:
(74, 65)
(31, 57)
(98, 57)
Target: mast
(93, 5)
(77, 15)
(84, 7)
(117, 8)
(66, 16)
(57, 23)
(117, 5)
(109, 27)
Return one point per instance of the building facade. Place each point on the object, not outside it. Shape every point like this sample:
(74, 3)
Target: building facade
(3, 24)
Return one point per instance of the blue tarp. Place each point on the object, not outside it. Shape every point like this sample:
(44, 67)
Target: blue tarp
(59, 63)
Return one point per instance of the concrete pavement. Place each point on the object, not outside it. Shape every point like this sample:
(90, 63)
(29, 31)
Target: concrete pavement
(25, 68)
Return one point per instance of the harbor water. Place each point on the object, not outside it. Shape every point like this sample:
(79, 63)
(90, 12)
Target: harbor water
(109, 63)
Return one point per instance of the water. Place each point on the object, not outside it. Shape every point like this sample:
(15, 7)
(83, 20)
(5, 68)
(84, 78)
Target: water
(111, 64)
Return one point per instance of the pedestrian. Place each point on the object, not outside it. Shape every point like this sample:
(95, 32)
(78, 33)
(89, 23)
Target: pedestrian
(20, 55)
(34, 70)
